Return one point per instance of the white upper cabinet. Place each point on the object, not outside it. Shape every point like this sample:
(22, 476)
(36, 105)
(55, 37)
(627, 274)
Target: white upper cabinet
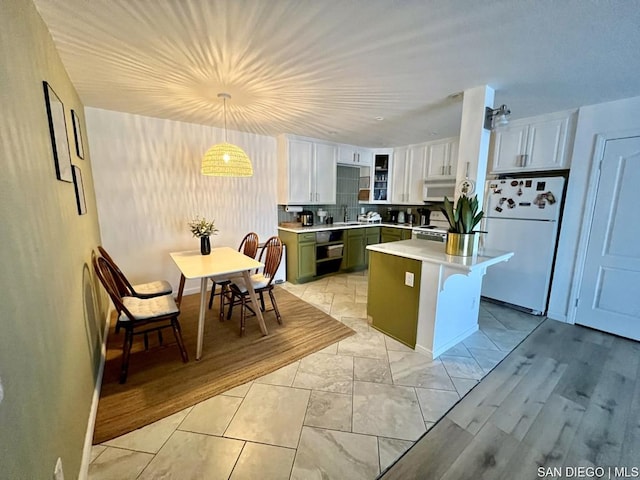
(398, 175)
(407, 176)
(357, 156)
(307, 171)
(534, 144)
(326, 174)
(442, 158)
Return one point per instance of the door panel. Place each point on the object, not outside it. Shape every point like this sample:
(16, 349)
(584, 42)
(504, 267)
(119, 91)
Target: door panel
(608, 298)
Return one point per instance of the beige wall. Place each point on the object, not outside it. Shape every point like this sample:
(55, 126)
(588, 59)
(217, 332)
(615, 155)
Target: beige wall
(148, 186)
(49, 335)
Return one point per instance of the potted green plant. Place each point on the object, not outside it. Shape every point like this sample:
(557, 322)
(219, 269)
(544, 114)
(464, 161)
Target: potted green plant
(462, 218)
(202, 228)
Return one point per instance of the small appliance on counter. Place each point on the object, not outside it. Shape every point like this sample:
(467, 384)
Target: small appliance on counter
(322, 215)
(423, 216)
(306, 218)
(393, 216)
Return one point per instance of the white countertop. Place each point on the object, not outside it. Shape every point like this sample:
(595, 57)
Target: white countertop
(433, 252)
(343, 226)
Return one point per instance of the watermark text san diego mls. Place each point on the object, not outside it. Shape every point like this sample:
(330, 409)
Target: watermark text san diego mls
(589, 472)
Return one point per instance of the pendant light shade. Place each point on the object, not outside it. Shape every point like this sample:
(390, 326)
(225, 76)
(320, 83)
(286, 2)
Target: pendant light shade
(225, 159)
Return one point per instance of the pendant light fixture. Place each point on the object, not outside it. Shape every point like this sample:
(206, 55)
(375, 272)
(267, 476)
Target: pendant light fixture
(225, 159)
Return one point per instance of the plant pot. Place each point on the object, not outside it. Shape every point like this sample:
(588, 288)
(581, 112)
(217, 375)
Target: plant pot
(460, 244)
(205, 246)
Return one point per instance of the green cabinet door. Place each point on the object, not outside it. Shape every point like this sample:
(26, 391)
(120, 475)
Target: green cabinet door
(372, 236)
(301, 255)
(406, 233)
(390, 234)
(355, 248)
(391, 303)
(306, 259)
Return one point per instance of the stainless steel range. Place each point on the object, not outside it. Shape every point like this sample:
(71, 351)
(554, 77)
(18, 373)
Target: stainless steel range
(436, 231)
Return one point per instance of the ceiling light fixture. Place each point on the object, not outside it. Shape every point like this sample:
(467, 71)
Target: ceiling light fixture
(498, 117)
(225, 159)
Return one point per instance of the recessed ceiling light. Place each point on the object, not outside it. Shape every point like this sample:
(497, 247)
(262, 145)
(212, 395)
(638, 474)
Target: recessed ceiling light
(332, 132)
(455, 96)
(378, 118)
(433, 134)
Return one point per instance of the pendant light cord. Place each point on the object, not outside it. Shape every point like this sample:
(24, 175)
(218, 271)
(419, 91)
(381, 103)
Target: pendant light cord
(224, 103)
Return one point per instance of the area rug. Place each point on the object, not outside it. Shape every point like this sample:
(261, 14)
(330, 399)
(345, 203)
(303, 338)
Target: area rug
(159, 384)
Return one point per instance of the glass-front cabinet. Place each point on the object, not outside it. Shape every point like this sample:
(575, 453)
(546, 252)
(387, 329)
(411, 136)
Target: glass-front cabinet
(380, 176)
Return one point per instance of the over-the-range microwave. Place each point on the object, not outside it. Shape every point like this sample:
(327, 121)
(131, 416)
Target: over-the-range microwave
(436, 190)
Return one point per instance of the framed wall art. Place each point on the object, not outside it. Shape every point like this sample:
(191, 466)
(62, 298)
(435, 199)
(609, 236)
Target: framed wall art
(58, 131)
(77, 181)
(77, 134)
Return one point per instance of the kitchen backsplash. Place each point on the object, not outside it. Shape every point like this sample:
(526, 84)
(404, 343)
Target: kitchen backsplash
(346, 195)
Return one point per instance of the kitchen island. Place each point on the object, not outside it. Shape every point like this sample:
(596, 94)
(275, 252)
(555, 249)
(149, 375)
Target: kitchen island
(423, 297)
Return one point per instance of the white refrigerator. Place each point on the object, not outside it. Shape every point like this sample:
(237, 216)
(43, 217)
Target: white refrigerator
(522, 216)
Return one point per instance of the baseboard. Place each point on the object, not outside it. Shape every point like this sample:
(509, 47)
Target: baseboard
(560, 317)
(91, 423)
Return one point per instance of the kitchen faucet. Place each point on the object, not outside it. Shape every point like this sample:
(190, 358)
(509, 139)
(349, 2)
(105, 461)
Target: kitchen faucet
(345, 213)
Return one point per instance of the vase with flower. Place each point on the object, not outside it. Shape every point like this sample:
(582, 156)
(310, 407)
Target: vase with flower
(202, 228)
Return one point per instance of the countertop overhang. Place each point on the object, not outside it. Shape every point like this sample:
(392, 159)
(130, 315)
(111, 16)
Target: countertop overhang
(345, 225)
(434, 252)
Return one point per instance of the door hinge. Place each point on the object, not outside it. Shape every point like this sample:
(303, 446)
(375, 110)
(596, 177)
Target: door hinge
(577, 302)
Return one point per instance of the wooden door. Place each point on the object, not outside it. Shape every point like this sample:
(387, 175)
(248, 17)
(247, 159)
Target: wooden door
(609, 297)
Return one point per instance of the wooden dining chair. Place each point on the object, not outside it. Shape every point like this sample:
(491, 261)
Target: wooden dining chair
(141, 290)
(138, 316)
(249, 247)
(262, 281)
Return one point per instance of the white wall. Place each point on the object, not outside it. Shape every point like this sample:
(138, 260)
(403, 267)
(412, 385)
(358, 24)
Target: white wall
(148, 186)
(610, 118)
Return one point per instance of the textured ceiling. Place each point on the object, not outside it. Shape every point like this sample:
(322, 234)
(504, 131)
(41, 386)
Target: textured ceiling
(327, 68)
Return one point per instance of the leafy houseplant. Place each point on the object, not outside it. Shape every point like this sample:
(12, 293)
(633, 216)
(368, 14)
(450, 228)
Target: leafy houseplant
(203, 228)
(462, 218)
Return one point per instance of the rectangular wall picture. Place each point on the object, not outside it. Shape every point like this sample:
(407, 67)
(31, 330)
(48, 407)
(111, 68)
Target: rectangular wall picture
(58, 131)
(77, 181)
(77, 134)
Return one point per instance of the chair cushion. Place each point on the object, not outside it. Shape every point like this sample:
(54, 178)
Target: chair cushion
(142, 308)
(160, 287)
(258, 280)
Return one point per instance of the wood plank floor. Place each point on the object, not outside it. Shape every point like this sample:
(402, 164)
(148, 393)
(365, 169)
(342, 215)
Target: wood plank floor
(566, 397)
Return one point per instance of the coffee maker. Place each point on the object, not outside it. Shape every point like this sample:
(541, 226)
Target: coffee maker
(393, 216)
(423, 216)
(306, 217)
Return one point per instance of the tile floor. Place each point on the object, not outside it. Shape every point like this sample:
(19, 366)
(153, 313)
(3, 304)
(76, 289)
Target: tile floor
(348, 411)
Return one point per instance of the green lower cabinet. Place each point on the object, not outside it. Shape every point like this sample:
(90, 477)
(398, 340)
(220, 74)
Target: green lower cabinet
(354, 249)
(372, 236)
(405, 234)
(301, 255)
(306, 260)
(393, 305)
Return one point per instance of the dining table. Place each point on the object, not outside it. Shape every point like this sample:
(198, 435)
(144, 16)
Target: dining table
(222, 261)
